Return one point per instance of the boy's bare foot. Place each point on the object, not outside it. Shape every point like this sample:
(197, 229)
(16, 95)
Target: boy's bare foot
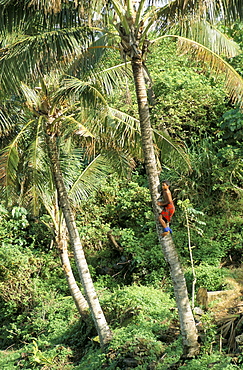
(165, 233)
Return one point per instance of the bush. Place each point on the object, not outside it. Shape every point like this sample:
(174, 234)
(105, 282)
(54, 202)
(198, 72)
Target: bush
(210, 277)
(139, 317)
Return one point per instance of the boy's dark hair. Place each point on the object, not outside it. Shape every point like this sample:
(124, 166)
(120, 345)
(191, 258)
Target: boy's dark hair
(160, 185)
(165, 182)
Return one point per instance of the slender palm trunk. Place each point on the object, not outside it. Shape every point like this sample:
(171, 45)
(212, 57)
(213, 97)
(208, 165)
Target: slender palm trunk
(78, 297)
(102, 327)
(187, 323)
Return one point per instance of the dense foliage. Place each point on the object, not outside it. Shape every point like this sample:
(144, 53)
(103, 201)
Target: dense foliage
(40, 324)
(41, 328)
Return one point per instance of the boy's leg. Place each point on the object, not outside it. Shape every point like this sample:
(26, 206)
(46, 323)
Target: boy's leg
(162, 221)
(165, 225)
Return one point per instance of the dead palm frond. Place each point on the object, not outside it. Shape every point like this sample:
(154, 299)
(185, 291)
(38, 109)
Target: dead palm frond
(229, 327)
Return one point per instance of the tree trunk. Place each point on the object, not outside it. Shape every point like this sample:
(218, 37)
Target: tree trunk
(187, 323)
(102, 327)
(78, 297)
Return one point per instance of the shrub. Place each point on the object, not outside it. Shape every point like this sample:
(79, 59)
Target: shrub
(139, 316)
(209, 277)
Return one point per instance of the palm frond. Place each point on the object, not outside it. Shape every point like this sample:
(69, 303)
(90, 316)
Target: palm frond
(120, 159)
(71, 125)
(32, 16)
(120, 12)
(9, 159)
(79, 90)
(112, 77)
(172, 153)
(31, 96)
(12, 16)
(208, 35)
(140, 12)
(85, 62)
(226, 10)
(47, 196)
(5, 124)
(230, 10)
(38, 54)
(114, 130)
(95, 84)
(35, 165)
(88, 180)
(106, 78)
(213, 63)
(232, 80)
(39, 187)
(49, 201)
(127, 128)
(150, 19)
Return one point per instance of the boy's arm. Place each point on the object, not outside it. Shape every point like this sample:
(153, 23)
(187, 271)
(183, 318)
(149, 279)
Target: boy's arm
(167, 199)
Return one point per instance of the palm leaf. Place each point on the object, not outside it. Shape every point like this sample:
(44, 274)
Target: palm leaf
(120, 159)
(70, 126)
(88, 180)
(92, 89)
(85, 62)
(49, 201)
(213, 63)
(173, 154)
(115, 129)
(31, 96)
(31, 16)
(77, 89)
(5, 124)
(120, 12)
(9, 159)
(35, 168)
(140, 12)
(210, 60)
(37, 54)
(112, 77)
(227, 10)
(208, 35)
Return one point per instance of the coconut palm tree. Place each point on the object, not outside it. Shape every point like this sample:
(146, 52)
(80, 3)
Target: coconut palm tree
(54, 121)
(50, 118)
(38, 192)
(188, 22)
(179, 19)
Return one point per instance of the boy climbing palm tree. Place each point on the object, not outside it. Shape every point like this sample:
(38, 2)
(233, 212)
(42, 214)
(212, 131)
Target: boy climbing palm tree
(168, 208)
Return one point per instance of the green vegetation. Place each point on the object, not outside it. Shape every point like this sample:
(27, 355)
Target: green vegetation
(41, 328)
(103, 170)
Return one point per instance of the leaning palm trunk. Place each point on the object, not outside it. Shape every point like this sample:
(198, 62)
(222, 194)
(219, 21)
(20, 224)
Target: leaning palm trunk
(100, 322)
(80, 301)
(187, 323)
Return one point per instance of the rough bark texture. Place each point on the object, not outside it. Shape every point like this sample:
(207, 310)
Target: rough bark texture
(101, 325)
(78, 297)
(187, 322)
(146, 131)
